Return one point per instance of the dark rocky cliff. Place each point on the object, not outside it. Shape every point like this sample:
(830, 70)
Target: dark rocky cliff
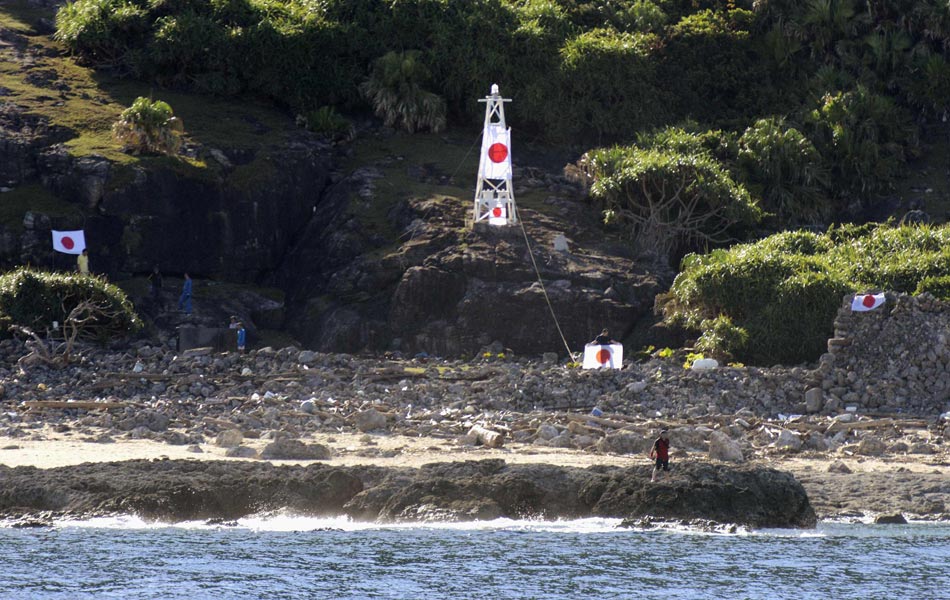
(366, 243)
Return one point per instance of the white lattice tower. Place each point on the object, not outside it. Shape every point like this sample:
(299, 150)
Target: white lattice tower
(494, 193)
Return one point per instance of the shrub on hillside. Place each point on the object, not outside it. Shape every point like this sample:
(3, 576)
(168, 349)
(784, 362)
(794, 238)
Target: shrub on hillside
(866, 139)
(396, 90)
(938, 286)
(35, 299)
(784, 290)
(608, 86)
(786, 171)
(667, 197)
(148, 126)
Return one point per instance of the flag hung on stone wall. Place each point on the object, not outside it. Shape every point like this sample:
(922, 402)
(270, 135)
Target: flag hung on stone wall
(866, 302)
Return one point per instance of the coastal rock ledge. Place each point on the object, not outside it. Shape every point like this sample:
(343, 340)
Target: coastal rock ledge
(182, 490)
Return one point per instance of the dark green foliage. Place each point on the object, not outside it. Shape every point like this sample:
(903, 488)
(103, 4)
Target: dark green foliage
(849, 77)
(713, 67)
(938, 287)
(785, 290)
(35, 299)
(327, 121)
(619, 66)
(668, 194)
(785, 169)
(395, 89)
(866, 138)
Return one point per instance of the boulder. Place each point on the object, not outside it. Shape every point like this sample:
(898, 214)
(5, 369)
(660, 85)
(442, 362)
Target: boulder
(229, 438)
(624, 443)
(291, 449)
(871, 446)
(788, 441)
(370, 419)
(546, 432)
(241, 452)
(814, 400)
(839, 467)
(895, 519)
(722, 447)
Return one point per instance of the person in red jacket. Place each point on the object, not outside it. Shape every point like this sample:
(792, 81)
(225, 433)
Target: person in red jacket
(661, 452)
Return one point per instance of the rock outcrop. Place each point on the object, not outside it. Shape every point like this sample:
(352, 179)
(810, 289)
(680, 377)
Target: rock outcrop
(487, 489)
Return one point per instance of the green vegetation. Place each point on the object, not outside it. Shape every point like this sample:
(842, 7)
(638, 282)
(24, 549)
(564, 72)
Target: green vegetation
(668, 193)
(774, 301)
(395, 89)
(148, 126)
(35, 299)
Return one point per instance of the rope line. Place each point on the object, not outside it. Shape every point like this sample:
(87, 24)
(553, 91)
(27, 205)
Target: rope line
(544, 290)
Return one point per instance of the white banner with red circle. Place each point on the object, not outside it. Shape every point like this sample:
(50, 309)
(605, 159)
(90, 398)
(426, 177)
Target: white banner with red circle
(598, 356)
(495, 162)
(69, 242)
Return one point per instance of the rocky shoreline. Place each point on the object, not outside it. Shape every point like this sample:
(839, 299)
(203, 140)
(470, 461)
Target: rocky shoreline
(168, 490)
(298, 405)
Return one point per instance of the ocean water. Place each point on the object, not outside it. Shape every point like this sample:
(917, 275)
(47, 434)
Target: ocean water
(281, 556)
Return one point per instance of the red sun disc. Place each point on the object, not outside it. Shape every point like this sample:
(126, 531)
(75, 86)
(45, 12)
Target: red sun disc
(868, 301)
(496, 212)
(497, 152)
(67, 242)
(603, 356)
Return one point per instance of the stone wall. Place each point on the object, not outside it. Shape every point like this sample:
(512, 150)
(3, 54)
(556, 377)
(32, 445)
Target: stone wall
(892, 359)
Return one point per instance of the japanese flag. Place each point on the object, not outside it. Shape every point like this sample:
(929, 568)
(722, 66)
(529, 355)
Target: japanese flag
(69, 242)
(866, 302)
(496, 153)
(603, 357)
(498, 215)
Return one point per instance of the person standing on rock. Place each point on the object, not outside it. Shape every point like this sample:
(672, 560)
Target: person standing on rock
(661, 453)
(184, 301)
(603, 339)
(241, 337)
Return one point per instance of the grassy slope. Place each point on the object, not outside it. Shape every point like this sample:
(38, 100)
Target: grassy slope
(48, 83)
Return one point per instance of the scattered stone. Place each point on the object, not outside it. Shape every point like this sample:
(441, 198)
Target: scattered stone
(839, 467)
(370, 419)
(195, 449)
(788, 441)
(721, 447)
(241, 452)
(291, 449)
(896, 519)
(229, 438)
(308, 406)
(814, 400)
(546, 432)
(871, 446)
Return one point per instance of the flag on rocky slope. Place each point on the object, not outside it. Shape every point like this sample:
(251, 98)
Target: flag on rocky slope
(69, 242)
(866, 302)
(598, 356)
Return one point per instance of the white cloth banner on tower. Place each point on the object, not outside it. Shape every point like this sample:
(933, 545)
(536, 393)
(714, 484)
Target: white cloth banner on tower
(866, 302)
(498, 215)
(603, 357)
(496, 153)
(69, 242)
